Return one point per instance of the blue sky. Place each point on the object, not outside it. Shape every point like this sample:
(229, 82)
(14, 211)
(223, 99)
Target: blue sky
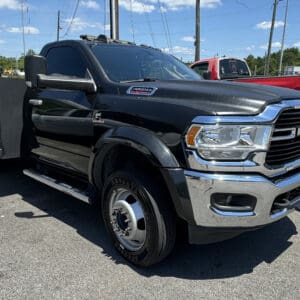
(228, 27)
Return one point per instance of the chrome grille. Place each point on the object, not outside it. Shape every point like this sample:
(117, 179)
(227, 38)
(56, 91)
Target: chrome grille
(285, 143)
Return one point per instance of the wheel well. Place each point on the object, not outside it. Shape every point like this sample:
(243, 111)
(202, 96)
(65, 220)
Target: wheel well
(124, 157)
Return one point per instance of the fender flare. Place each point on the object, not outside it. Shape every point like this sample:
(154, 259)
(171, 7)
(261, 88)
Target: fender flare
(142, 140)
(159, 155)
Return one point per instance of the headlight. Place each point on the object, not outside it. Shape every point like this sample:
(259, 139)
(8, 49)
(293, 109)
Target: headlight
(228, 142)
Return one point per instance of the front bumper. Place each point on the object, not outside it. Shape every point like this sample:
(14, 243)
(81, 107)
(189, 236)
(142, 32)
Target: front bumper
(202, 185)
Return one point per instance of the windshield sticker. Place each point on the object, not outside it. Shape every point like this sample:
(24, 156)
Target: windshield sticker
(141, 91)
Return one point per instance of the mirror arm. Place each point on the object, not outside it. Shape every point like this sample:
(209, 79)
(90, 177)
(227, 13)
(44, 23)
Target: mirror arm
(67, 83)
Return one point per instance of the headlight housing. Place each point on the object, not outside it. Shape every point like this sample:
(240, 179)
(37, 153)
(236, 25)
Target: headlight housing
(228, 142)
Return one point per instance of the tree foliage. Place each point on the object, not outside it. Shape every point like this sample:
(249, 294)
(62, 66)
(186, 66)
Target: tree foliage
(291, 57)
(11, 63)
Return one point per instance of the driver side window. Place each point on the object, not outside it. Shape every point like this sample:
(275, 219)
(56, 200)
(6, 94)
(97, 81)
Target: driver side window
(66, 61)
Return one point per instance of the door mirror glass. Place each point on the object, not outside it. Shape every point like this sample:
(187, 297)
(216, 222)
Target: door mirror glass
(34, 65)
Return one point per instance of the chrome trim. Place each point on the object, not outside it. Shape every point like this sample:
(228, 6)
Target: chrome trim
(256, 160)
(232, 213)
(202, 185)
(279, 214)
(255, 163)
(60, 186)
(293, 133)
(36, 102)
(295, 202)
(269, 115)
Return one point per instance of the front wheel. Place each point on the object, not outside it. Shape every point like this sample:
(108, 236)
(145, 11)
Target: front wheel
(139, 217)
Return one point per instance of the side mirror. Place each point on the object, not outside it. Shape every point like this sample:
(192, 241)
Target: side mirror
(34, 65)
(67, 83)
(206, 75)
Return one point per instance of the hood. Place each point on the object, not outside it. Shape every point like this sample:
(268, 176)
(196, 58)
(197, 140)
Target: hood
(217, 97)
(174, 104)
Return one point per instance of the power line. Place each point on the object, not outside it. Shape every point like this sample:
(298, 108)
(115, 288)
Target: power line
(149, 25)
(131, 20)
(168, 31)
(72, 20)
(168, 40)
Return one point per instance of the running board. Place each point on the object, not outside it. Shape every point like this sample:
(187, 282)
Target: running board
(55, 184)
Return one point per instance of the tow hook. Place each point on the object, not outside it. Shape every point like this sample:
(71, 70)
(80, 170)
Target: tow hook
(287, 204)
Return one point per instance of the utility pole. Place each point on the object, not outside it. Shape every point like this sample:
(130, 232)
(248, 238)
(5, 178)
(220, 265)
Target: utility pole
(58, 24)
(23, 28)
(197, 31)
(114, 19)
(283, 38)
(271, 37)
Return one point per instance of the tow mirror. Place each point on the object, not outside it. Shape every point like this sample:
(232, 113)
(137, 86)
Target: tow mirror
(34, 65)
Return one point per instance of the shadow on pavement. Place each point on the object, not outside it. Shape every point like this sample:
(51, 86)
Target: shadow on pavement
(222, 260)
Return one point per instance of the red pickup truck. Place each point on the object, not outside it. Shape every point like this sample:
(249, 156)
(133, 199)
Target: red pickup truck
(227, 68)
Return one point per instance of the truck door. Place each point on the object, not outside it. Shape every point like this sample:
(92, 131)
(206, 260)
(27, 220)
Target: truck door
(62, 119)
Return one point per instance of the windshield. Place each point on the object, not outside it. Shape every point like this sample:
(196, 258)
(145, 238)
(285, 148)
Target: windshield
(129, 63)
(231, 68)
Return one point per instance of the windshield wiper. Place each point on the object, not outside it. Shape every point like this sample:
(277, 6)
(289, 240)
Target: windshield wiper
(139, 80)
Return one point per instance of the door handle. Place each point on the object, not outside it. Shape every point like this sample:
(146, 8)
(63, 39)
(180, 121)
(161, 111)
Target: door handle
(36, 102)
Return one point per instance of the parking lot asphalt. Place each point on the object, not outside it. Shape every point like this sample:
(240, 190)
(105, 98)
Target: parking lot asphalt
(55, 247)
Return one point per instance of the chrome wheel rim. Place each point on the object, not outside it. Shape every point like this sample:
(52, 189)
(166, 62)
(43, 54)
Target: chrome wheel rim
(127, 219)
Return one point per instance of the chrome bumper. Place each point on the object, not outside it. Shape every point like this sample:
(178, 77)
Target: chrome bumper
(202, 185)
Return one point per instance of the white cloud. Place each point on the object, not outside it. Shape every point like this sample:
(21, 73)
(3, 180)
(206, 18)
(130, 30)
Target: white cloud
(10, 4)
(137, 6)
(147, 6)
(2, 42)
(267, 25)
(179, 50)
(79, 25)
(27, 30)
(210, 3)
(274, 45)
(297, 44)
(180, 4)
(250, 48)
(90, 4)
(188, 39)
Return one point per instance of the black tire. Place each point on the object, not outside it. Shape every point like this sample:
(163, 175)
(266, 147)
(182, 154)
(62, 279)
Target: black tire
(159, 217)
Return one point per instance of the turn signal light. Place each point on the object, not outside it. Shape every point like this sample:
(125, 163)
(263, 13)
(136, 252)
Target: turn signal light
(191, 135)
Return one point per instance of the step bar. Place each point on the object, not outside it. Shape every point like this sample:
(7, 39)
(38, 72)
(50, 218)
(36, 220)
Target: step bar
(57, 185)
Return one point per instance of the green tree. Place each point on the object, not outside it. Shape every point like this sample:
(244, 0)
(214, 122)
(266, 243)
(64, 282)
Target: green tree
(291, 57)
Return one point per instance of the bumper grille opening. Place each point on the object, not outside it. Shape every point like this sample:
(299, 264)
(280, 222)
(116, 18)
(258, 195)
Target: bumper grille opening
(287, 200)
(233, 202)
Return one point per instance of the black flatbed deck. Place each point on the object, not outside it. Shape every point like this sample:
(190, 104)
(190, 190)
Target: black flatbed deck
(11, 117)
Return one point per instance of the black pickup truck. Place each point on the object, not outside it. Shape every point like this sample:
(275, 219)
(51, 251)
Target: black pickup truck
(153, 146)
